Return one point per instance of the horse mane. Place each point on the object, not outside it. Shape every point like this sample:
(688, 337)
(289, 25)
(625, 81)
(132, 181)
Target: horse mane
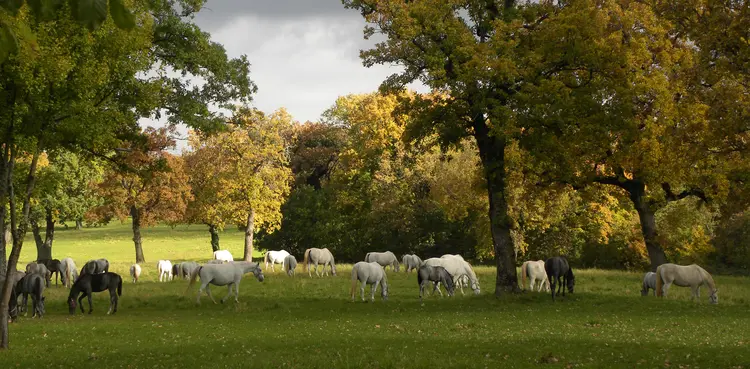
(707, 278)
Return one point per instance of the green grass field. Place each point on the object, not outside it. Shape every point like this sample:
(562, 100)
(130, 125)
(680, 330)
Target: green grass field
(307, 322)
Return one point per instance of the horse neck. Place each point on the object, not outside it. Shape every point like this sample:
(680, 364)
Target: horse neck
(249, 267)
(708, 279)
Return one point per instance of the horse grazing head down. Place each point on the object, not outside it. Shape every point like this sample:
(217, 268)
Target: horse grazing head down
(713, 298)
(258, 274)
(72, 305)
(571, 282)
(40, 308)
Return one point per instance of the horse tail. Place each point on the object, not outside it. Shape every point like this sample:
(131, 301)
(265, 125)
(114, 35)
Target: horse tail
(265, 259)
(306, 259)
(524, 267)
(659, 281)
(354, 282)
(119, 286)
(193, 277)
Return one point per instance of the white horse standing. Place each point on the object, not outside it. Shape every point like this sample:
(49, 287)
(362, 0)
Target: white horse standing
(275, 257)
(369, 273)
(68, 271)
(135, 272)
(223, 255)
(229, 275)
(536, 273)
(165, 270)
(318, 256)
(456, 266)
(692, 276)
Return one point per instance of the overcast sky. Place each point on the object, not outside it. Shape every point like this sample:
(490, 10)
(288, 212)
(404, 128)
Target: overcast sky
(303, 53)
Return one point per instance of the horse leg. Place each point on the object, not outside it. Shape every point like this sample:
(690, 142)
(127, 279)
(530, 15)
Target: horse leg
(696, 293)
(208, 292)
(665, 289)
(237, 291)
(25, 303)
(373, 289)
(362, 289)
(460, 286)
(229, 293)
(91, 305)
(421, 289)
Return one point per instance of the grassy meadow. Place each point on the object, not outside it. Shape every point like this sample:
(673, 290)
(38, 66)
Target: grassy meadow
(311, 322)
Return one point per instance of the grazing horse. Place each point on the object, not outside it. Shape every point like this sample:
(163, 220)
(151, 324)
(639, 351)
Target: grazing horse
(410, 262)
(186, 269)
(53, 265)
(437, 274)
(31, 284)
(275, 257)
(164, 267)
(558, 268)
(456, 266)
(649, 281)
(692, 276)
(215, 261)
(319, 256)
(87, 284)
(535, 271)
(41, 269)
(223, 255)
(229, 275)
(369, 273)
(68, 272)
(135, 272)
(290, 264)
(97, 266)
(385, 259)
(175, 270)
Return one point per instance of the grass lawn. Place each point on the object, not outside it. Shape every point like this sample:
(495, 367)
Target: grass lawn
(307, 322)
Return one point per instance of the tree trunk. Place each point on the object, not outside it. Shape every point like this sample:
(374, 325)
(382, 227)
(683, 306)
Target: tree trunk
(214, 231)
(44, 251)
(5, 240)
(249, 236)
(637, 192)
(136, 214)
(492, 154)
(37, 237)
(79, 225)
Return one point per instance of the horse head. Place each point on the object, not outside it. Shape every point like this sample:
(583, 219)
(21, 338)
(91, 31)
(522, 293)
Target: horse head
(571, 284)
(72, 305)
(475, 286)
(258, 274)
(333, 269)
(713, 298)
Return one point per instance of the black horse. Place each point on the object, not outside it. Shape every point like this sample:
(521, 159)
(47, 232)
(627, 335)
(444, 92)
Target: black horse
(31, 284)
(87, 284)
(436, 274)
(53, 266)
(557, 267)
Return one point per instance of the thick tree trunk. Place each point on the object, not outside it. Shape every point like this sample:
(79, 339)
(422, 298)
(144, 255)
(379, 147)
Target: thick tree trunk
(44, 251)
(214, 231)
(637, 192)
(492, 154)
(135, 213)
(79, 225)
(249, 229)
(5, 240)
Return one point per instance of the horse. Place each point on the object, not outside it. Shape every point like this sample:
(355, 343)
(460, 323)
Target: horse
(437, 274)
(463, 281)
(31, 284)
(319, 256)
(289, 264)
(536, 272)
(41, 269)
(165, 270)
(275, 257)
(558, 268)
(223, 255)
(175, 270)
(68, 272)
(89, 283)
(369, 273)
(216, 261)
(410, 262)
(186, 269)
(649, 281)
(384, 259)
(456, 266)
(229, 275)
(53, 265)
(692, 276)
(97, 266)
(135, 272)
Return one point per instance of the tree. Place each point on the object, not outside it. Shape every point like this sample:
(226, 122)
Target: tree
(250, 175)
(151, 186)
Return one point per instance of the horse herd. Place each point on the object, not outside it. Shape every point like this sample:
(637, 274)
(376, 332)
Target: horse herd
(554, 275)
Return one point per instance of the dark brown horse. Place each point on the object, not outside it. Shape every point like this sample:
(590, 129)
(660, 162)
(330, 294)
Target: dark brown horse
(87, 284)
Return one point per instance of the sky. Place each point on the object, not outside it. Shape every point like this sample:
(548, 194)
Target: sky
(303, 53)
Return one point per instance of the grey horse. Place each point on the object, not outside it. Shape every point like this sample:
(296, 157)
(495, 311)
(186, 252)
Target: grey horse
(410, 262)
(186, 269)
(95, 267)
(31, 284)
(217, 262)
(372, 274)
(290, 263)
(649, 281)
(319, 256)
(229, 274)
(68, 271)
(41, 269)
(384, 259)
(436, 274)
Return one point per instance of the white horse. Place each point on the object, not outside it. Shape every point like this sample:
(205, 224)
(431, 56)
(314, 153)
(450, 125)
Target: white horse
(692, 276)
(275, 257)
(229, 275)
(649, 282)
(536, 273)
(68, 271)
(372, 274)
(456, 266)
(135, 272)
(223, 255)
(165, 270)
(318, 256)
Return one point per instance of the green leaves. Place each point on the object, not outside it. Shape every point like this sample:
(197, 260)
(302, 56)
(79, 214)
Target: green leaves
(44, 9)
(122, 17)
(11, 5)
(8, 41)
(90, 13)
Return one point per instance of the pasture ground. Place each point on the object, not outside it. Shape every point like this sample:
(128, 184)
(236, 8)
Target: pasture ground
(307, 322)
